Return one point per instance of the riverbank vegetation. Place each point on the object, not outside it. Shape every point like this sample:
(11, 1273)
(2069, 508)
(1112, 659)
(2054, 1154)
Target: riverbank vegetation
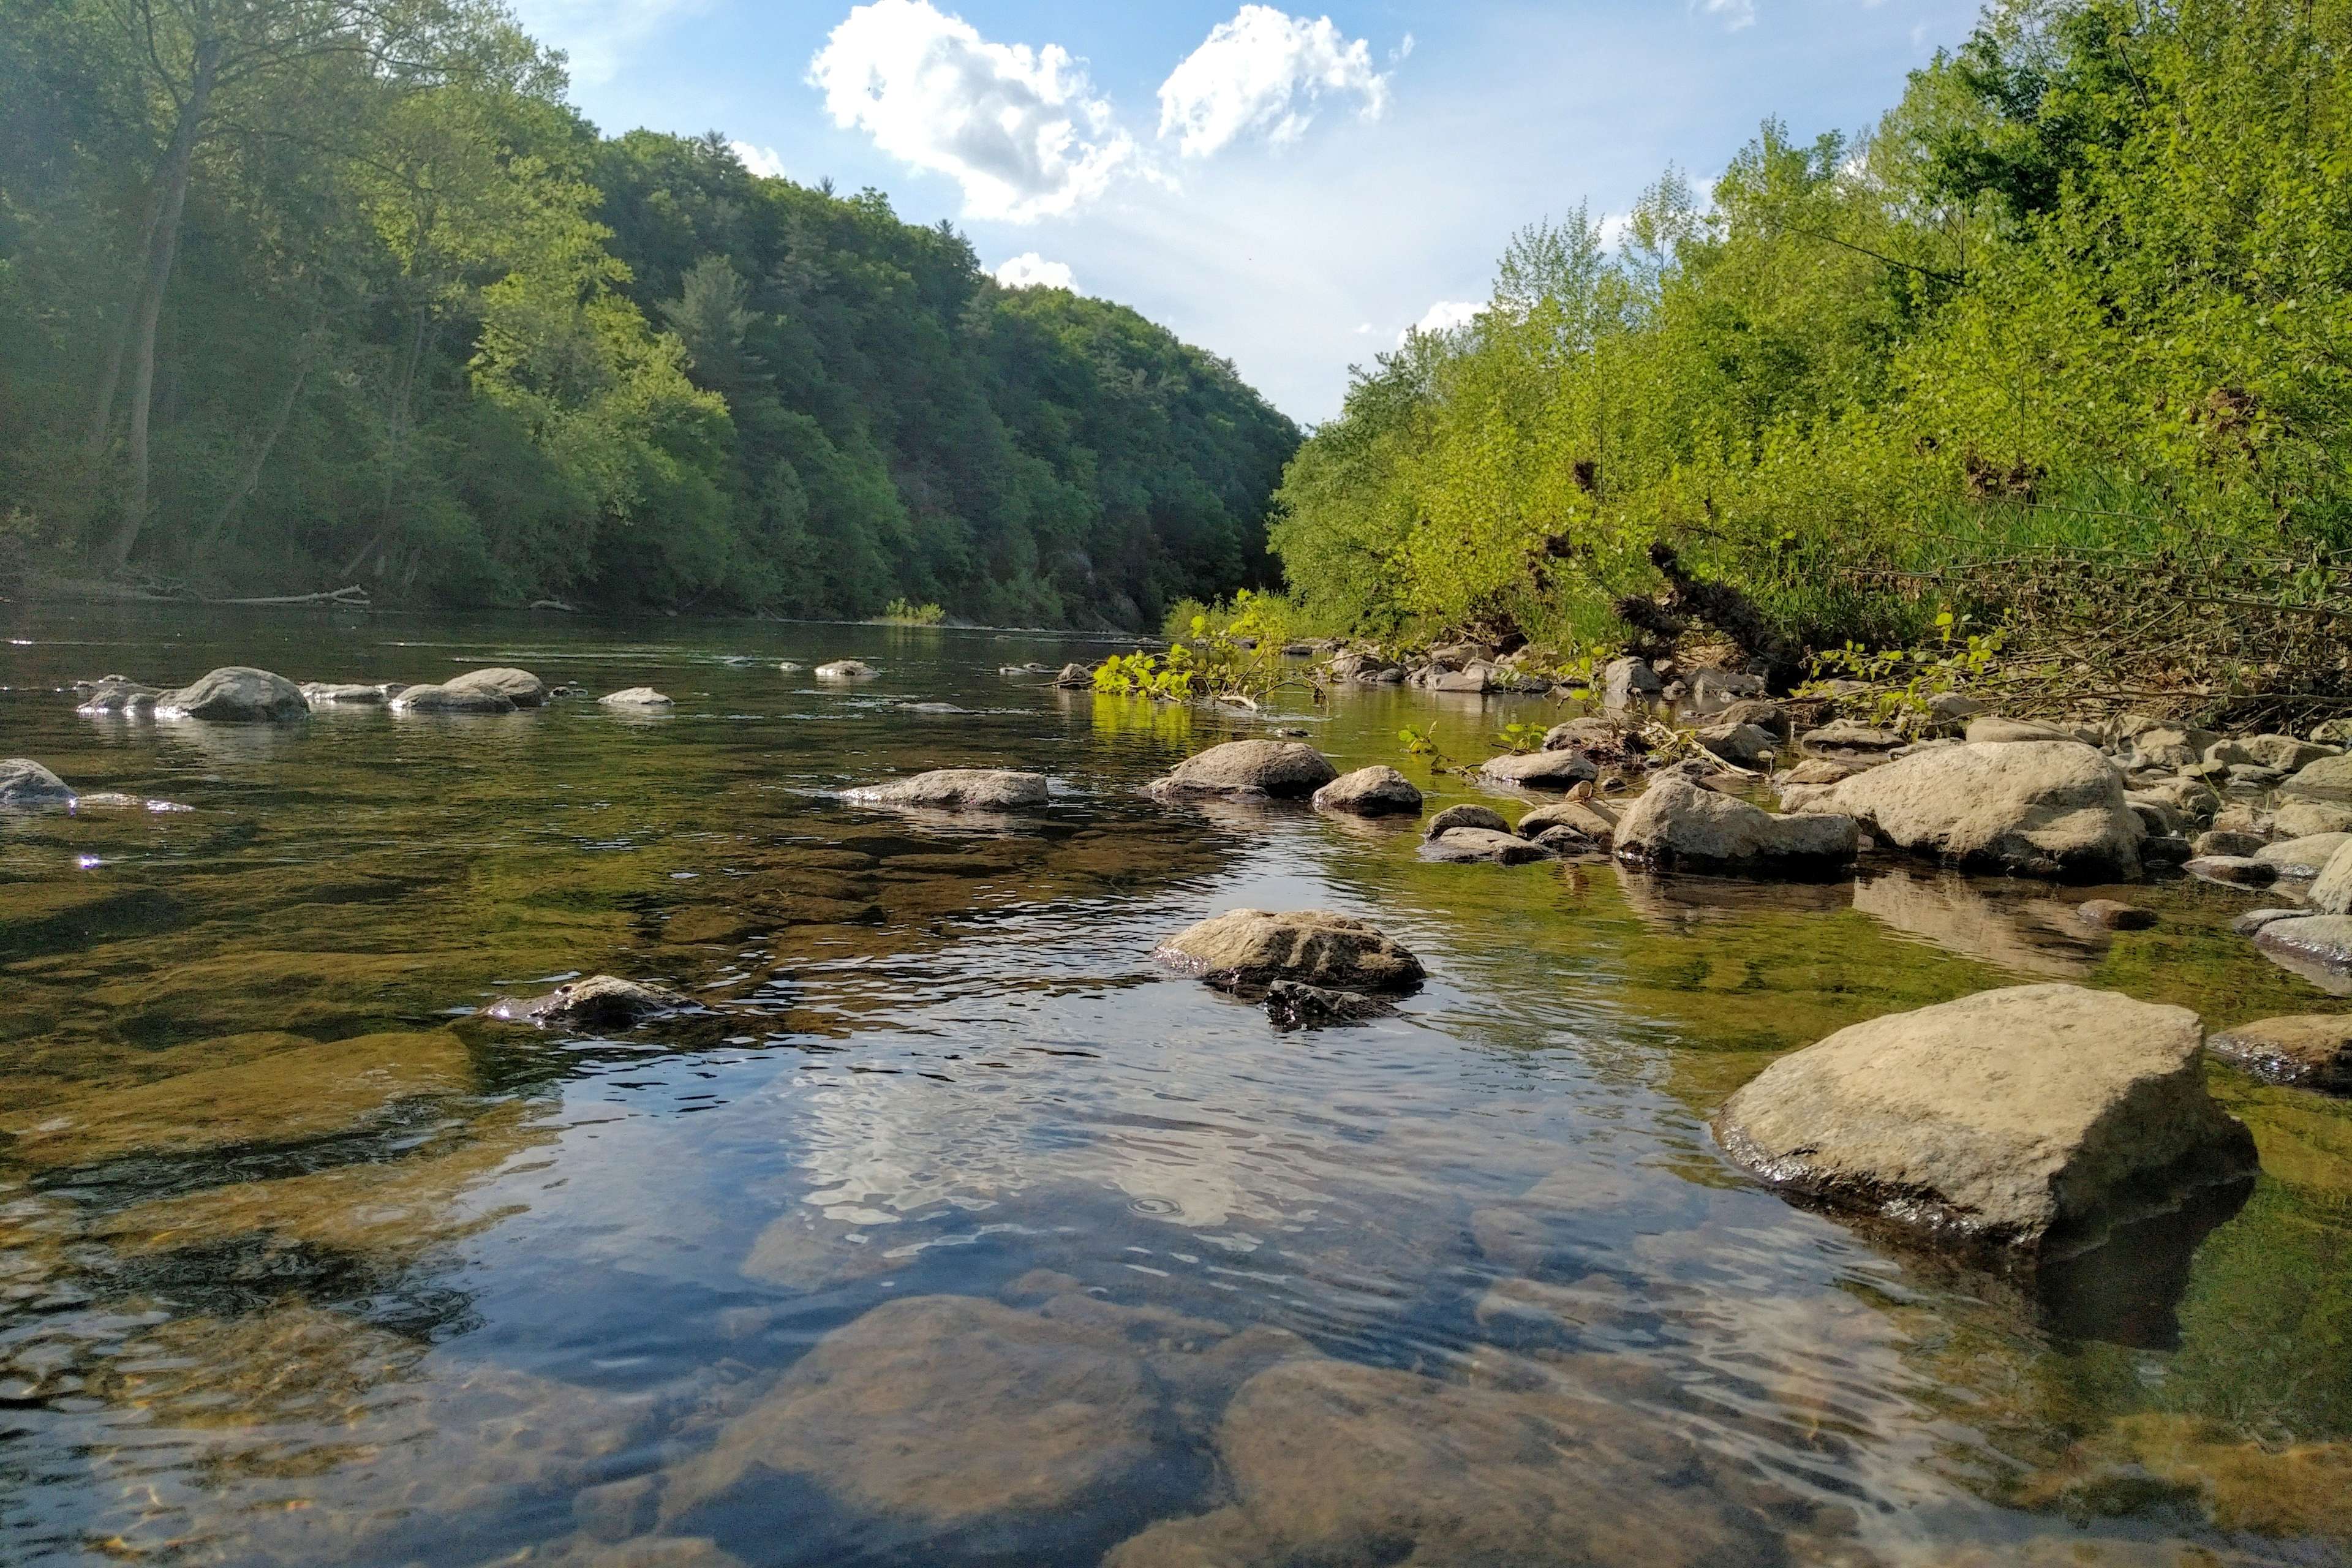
(2062, 347)
(303, 294)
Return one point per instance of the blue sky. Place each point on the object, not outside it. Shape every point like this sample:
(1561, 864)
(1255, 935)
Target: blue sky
(1289, 188)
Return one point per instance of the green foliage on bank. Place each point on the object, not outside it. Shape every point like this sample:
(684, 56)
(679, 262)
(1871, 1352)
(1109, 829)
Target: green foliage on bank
(297, 294)
(2064, 344)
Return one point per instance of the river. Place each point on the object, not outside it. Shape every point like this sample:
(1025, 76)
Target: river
(953, 1232)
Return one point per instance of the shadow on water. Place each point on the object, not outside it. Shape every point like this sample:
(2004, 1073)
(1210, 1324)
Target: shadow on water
(946, 1230)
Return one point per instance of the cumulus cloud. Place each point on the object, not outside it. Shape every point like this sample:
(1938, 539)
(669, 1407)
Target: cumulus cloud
(1264, 73)
(1020, 129)
(761, 161)
(1445, 316)
(1736, 14)
(1031, 270)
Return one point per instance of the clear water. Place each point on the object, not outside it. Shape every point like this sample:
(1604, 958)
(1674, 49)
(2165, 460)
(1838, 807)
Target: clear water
(307, 1262)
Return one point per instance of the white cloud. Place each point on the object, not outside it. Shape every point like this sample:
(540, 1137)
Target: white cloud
(1020, 129)
(1264, 72)
(1445, 316)
(1031, 270)
(761, 161)
(1736, 14)
(601, 36)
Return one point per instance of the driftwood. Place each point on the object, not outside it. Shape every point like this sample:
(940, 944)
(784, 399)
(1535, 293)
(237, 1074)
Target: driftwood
(552, 604)
(354, 597)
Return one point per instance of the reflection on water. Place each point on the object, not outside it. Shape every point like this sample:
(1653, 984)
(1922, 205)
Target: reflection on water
(952, 1231)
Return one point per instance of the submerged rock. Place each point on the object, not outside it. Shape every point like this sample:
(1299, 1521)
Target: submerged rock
(957, 789)
(600, 1002)
(2040, 807)
(115, 695)
(1553, 771)
(27, 785)
(1680, 824)
(2028, 1120)
(846, 670)
(235, 695)
(2311, 1049)
(1331, 1462)
(518, 687)
(2113, 914)
(1464, 845)
(2231, 870)
(636, 697)
(1485, 818)
(1370, 792)
(450, 700)
(1294, 1005)
(1284, 770)
(1244, 949)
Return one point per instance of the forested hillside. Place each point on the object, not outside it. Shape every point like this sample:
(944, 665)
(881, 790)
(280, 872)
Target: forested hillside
(2064, 344)
(302, 293)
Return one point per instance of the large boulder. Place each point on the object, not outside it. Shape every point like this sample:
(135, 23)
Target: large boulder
(1334, 1464)
(956, 789)
(1246, 948)
(846, 670)
(237, 695)
(2041, 808)
(450, 700)
(2312, 1050)
(2026, 1120)
(25, 786)
(518, 687)
(1285, 770)
(1376, 791)
(1679, 822)
(1553, 771)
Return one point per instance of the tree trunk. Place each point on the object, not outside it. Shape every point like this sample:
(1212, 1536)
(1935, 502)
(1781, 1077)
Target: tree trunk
(261, 459)
(161, 253)
(109, 379)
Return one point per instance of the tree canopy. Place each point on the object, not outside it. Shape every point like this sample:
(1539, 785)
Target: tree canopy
(296, 293)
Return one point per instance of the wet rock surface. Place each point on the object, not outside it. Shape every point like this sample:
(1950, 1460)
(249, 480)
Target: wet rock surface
(2312, 1050)
(27, 785)
(957, 789)
(1249, 948)
(599, 1001)
(2032, 1118)
(1280, 770)
(236, 694)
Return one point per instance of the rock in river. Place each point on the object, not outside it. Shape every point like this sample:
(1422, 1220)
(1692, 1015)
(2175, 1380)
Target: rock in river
(600, 1002)
(2041, 808)
(2309, 942)
(27, 785)
(640, 697)
(1370, 792)
(2314, 1049)
(1555, 771)
(518, 687)
(328, 694)
(1630, 683)
(1285, 770)
(1454, 816)
(116, 695)
(956, 789)
(235, 695)
(1293, 1005)
(1470, 844)
(2027, 1120)
(1245, 949)
(450, 700)
(846, 670)
(1680, 824)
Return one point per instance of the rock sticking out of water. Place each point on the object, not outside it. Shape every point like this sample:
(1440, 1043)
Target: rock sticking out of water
(1293, 1005)
(2231, 870)
(1483, 817)
(25, 786)
(1555, 771)
(114, 695)
(235, 695)
(2307, 943)
(328, 694)
(1679, 824)
(2036, 807)
(1243, 950)
(518, 687)
(1074, 678)
(1376, 791)
(957, 789)
(2310, 1049)
(2028, 1120)
(843, 669)
(637, 696)
(451, 700)
(1466, 845)
(1280, 770)
(600, 1002)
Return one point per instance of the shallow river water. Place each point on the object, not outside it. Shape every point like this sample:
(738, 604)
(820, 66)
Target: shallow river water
(954, 1233)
